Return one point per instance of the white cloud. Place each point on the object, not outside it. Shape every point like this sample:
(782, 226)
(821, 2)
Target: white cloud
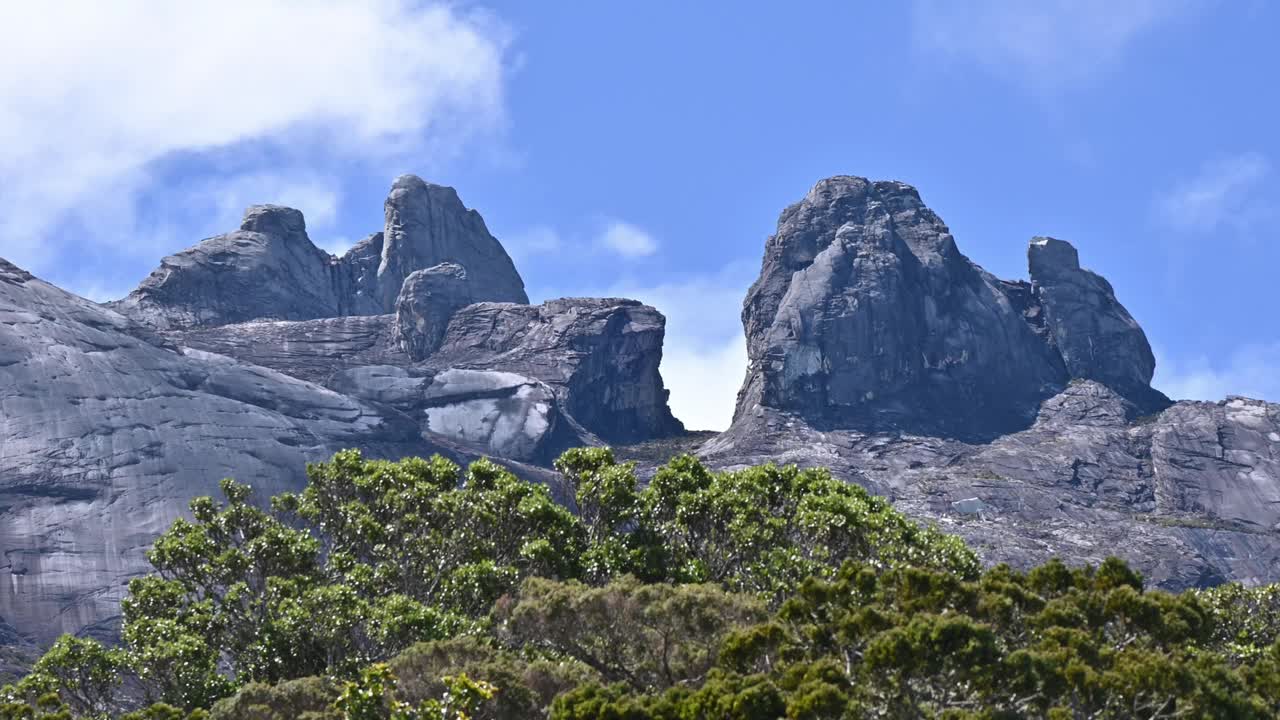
(627, 240)
(1226, 192)
(1048, 43)
(335, 245)
(93, 95)
(1252, 371)
(537, 240)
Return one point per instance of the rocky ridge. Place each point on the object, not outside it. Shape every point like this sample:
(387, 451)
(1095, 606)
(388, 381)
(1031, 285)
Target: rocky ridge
(253, 353)
(1016, 414)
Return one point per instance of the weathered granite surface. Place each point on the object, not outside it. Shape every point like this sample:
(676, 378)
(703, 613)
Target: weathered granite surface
(104, 437)
(600, 355)
(253, 353)
(873, 344)
(866, 314)
(270, 270)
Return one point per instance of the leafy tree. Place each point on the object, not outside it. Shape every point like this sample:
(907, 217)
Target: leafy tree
(408, 590)
(646, 636)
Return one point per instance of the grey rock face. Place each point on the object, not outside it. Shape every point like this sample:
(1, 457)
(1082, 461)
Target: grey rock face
(1187, 496)
(427, 301)
(600, 356)
(104, 437)
(1095, 335)
(593, 364)
(268, 269)
(356, 275)
(312, 350)
(253, 353)
(427, 225)
(867, 323)
(865, 314)
(489, 412)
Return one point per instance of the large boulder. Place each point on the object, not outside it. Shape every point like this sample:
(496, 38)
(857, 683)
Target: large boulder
(866, 315)
(426, 225)
(426, 303)
(1095, 335)
(268, 269)
(600, 355)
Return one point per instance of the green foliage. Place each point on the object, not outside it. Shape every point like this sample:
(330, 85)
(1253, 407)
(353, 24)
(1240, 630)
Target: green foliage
(646, 636)
(764, 529)
(1246, 621)
(411, 590)
(373, 697)
(914, 642)
(309, 698)
(528, 681)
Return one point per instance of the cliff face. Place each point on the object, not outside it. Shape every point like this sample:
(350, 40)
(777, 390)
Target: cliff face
(107, 430)
(253, 353)
(1017, 414)
(867, 315)
(270, 269)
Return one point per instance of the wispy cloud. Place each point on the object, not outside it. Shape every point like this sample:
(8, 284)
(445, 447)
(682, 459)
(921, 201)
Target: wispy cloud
(1252, 371)
(1047, 44)
(627, 240)
(337, 245)
(536, 240)
(1226, 193)
(96, 101)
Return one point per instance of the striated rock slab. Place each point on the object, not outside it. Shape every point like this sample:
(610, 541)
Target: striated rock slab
(104, 437)
(599, 355)
(313, 350)
(270, 270)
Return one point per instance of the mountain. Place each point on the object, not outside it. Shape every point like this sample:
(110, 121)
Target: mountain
(253, 353)
(1017, 414)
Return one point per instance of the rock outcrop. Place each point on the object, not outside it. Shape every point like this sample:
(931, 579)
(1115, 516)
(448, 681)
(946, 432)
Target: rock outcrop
(1097, 338)
(426, 304)
(427, 225)
(253, 353)
(866, 314)
(601, 355)
(867, 324)
(270, 270)
(104, 437)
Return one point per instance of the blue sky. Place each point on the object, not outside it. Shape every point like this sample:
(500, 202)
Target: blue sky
(646, 149)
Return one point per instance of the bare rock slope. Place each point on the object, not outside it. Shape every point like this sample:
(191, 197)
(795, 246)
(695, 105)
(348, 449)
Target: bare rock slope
(1017, 414)
(254, 352)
